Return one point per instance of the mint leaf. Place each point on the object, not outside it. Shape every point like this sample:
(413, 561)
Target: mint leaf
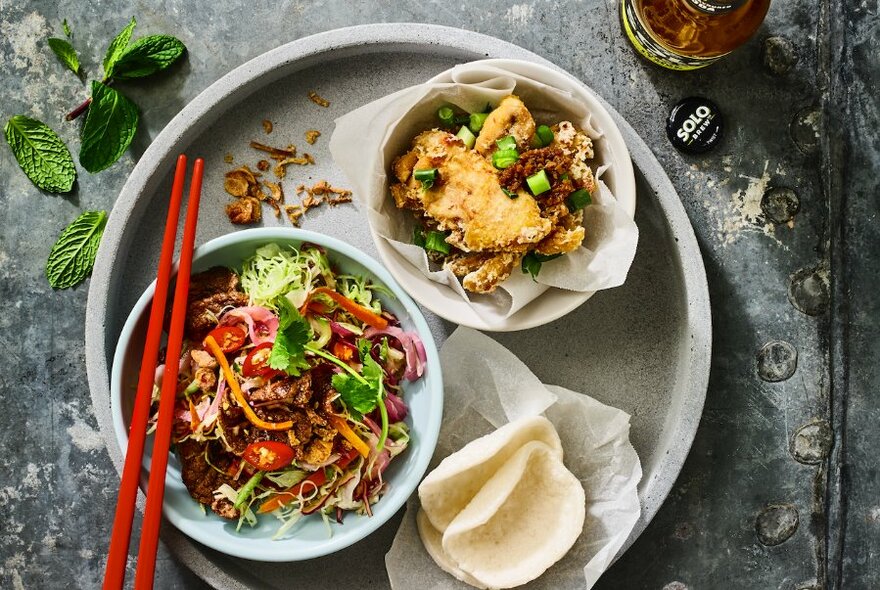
(66, 28)
(117, 47)
(110, 126)
(41, 154)
(146, 56)
(73, 255)
(288, 353)
(65, 53)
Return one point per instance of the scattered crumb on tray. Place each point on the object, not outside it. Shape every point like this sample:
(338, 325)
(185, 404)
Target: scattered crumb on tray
(228, 159)
(267, 126)
(312, 136)
(318, 99)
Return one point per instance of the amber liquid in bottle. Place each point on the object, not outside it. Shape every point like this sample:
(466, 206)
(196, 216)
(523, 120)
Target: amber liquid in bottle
(690, 34)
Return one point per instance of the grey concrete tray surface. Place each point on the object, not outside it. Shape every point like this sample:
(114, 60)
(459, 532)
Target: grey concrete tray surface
(643, 347)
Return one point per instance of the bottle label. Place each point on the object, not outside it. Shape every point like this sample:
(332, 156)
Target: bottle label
(654, 51)
(716, 6)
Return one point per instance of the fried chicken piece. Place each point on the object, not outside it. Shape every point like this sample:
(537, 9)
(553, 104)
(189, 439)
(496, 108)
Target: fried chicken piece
(510, 117)
(483, 272)
(468, 197)
(579, 147)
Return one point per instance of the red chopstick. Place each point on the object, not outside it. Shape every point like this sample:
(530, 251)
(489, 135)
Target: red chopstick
(114, 577)
(146, 563)
(117, 556)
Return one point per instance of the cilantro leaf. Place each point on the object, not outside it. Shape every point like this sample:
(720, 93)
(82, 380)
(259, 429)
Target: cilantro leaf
(41, 154)
(362, 396)
(288, 353)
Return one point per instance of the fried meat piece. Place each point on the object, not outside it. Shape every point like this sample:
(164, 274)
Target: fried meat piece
(198, 476)
(210, 291)
(510, 117)
(469, 198)
(239, 432)
(483, 272)
(293, 390)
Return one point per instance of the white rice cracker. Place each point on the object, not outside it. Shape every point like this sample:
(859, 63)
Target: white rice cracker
(433, 542)
(447, 490)
(522, 521)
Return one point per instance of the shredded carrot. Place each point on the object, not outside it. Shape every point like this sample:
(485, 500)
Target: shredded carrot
(317, 479)
(350, 435)
(365, 315)
(193, 416)
(212, 345)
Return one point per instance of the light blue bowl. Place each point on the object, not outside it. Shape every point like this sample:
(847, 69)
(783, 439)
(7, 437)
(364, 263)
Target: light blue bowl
(310, 537)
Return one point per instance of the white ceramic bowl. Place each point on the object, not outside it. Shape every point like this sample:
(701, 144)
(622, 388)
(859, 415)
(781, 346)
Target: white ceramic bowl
(309, 538)
(554, 303)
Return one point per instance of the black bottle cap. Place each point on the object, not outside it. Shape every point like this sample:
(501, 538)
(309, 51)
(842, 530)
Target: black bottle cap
(694, 125)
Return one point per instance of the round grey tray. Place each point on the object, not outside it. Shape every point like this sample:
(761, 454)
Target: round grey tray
(643, 347)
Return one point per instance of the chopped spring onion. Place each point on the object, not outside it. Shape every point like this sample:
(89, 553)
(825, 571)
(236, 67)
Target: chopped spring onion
(579, 199)
(467, 137)
(476, 121)
(247, 489)
(436, 241)
(432, 241)
(504, 158)
(538, 183)
(531, 262)
(506, 143)
(426, 176)
(511, 194)
(461, 119)
(545, 134)
(446, 116)
(418, 238)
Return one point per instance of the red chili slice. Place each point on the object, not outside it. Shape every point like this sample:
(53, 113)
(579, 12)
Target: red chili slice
(229, 338)
(256, 363)
(268, 455)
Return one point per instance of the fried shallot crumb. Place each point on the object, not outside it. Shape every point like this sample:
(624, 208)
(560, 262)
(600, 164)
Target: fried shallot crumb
(312, 136)
(263, 165)
(294, 212)
(318, 99)
(244, 211)
(267, 126)
(281, 168)
(228, 159)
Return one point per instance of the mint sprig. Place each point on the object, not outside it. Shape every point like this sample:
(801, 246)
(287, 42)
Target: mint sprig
(73, 255)
(110, 126)
(41, 154)
(65, 53)
(146, 56)
(117, 47)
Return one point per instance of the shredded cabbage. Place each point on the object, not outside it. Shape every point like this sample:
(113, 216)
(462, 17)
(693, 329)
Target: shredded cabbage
(274, 271)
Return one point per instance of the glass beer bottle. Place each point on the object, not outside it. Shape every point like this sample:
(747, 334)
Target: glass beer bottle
(690, 34)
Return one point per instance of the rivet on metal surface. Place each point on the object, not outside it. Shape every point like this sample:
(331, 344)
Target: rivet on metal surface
(780, 55)
(780, 204)
(776, 361)
(809, 291)
(776, 523)
(811, 442)
(804, 129)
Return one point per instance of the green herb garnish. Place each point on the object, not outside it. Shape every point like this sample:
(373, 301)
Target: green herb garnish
(578, 199)
(505, 158)
(476, 121)
(467, 137)
(288, 353)
(426, 176)
(362, 393)
(446, 116)
(65, 53)
(41, 154)
(110, 126)
(538, 183)
(510, 194)
(531, 262)
(436, 241)
(73, 255)
(506, 143)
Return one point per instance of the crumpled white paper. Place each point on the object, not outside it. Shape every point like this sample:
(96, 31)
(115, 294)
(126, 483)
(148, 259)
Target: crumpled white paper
(487, 386)
(367, 140)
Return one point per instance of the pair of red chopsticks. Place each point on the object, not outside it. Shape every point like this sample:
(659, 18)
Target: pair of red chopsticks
(114, 576)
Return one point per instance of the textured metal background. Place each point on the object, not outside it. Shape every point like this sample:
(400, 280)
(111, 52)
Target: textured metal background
(802, 115)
